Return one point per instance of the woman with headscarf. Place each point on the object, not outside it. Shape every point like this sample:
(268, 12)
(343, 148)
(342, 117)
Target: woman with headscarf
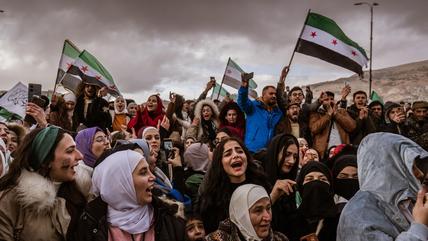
(249, 219)
(280, 165)
(152, 114)
(39, 196)
(318, 215)
(205, 123)
(197, 160)
(232, 118)
(345, 179)
(159, 166)
(124, 182)
(92, 143)
(231, 167)
(391, 203)
(61, 112)
(119, 115)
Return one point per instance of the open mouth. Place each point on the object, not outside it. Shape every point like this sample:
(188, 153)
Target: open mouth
(149, 190)
(237, 165)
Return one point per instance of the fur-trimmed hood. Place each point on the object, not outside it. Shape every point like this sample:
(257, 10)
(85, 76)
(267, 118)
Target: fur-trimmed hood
(214, 117)
(38, 193)
(35, 192)
(210, 103)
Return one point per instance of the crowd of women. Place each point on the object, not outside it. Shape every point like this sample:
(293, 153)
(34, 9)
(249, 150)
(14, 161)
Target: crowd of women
(94, 170)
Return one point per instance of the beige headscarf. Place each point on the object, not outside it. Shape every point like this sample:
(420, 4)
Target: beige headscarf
(243, 198)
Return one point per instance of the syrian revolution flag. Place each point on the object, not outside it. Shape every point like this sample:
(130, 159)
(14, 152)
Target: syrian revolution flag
(232, 76)
(69, 54)
(322, 38)
(219, 91)
(91, 71)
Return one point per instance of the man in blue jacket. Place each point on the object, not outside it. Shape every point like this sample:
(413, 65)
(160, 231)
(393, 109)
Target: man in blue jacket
(262, 116)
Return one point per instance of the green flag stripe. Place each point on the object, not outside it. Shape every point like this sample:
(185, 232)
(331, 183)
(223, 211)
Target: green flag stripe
(70, 50)
(95, 64)
(328, 25)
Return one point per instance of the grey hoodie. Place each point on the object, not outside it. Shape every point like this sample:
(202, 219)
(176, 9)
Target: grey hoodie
(385, 163)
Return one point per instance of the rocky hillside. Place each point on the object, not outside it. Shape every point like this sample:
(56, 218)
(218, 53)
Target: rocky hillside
(407, 82)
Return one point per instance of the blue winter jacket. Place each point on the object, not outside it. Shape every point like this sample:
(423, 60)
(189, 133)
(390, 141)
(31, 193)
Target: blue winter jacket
(260, 123)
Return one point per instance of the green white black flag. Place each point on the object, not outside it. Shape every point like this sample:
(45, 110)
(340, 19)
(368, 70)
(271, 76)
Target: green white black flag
(322, 38)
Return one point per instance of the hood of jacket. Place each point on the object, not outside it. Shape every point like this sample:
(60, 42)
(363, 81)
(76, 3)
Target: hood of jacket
(39, 193)
(385, 167)
(210, 103)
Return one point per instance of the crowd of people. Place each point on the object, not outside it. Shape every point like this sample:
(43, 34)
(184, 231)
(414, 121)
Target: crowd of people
(283, 166)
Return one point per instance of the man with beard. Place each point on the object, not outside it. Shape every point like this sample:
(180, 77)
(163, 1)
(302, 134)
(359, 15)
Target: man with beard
(330, 125)
(376, 114)
(91, 109)
(360, 113)
(263, 115)
(291, 123)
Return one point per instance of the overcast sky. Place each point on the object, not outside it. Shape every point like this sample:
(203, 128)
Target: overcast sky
(158, 46)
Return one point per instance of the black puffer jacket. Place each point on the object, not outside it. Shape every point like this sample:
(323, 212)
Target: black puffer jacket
(93, 222)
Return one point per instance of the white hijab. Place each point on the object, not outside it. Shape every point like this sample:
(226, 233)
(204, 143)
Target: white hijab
(112, 180)
(242, 199)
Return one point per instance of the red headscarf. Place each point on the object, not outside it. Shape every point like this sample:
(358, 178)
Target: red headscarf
(146, 118)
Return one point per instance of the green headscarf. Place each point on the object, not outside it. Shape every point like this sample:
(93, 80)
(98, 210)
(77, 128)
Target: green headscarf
(42, 145)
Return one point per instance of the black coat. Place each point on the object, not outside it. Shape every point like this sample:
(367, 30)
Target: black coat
(95, 116)
(93, 222)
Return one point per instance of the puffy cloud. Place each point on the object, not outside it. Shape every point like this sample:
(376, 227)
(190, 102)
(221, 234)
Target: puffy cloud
(158, 46)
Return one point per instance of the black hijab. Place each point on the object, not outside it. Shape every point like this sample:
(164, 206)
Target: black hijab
(317, 196)
(272, 165)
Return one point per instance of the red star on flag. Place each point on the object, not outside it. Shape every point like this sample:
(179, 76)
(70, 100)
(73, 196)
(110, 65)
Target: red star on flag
(313, 34)
(84, 69)
(334, 42)
(68, 65)
(98, 77)
(113, 87)
(354, 53)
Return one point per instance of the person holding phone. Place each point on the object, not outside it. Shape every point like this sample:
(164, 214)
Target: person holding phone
(262, 114)
(391, 203)
(395, 119)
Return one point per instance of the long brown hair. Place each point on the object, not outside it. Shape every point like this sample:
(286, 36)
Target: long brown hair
(24, 154)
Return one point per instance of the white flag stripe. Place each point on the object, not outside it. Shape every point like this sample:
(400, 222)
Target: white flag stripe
(65, 60)
(325, 39)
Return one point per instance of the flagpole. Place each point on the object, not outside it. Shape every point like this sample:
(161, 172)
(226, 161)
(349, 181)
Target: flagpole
(63, 47)
(59, 65)
(221, 85)
(298, 39)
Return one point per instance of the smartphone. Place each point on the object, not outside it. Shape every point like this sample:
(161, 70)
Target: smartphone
(34, 89)
(346, 83)
(38, 101)
(248, 76)
(212, 78)
(168, 147)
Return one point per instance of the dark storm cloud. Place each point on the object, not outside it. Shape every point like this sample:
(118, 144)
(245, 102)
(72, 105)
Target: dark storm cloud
(147, 45)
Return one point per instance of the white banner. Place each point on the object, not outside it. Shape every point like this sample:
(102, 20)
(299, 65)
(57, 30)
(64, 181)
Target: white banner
(15, 100)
